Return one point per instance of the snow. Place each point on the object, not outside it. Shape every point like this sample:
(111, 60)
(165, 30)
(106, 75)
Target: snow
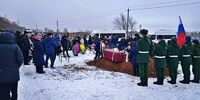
(74, 80)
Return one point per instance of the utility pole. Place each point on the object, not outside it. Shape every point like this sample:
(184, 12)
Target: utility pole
(140, 27)
(127, 23)
(57, 25)
(36, 26)
(18, 22)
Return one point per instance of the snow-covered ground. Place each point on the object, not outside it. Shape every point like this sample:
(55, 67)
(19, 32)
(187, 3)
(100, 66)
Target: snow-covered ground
(74, 80)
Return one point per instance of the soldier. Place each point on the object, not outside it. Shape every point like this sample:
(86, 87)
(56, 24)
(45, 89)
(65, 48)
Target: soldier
(186, 60)
(196, 61)
(173, 52)
(160, 59)
(144, 48)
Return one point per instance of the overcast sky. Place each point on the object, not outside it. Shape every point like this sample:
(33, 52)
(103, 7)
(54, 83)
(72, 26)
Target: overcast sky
(78, 15)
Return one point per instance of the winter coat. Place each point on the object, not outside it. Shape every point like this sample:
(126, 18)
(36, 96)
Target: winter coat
(64, 42)
(160, 54)
(144, 49)
(97, 44)
(57, 39)
(10, 58)
(85, 41)
(19, 41)
(122, 44)
(133, 53)
(173, 54)
(90, 42)
(196, 55)
(26, 43)
(38, 53)
(186, 50)
(114, 41)
(49, 46)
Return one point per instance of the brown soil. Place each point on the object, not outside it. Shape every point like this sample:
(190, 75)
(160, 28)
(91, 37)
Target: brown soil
(124, 67)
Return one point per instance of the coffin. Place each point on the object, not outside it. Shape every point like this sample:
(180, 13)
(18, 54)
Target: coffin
(114, 56)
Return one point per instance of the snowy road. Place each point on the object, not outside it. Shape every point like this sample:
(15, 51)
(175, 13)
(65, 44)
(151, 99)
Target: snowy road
(74, 80)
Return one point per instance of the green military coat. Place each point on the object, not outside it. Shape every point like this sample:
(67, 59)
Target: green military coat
(173, 53)
(196, 55)
(186, 50)
(160, 54)
(144, 48)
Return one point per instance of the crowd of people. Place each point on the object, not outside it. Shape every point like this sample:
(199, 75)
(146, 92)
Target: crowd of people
(17, 48)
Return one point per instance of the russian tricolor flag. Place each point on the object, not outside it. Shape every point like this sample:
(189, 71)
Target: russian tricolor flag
(181, 33)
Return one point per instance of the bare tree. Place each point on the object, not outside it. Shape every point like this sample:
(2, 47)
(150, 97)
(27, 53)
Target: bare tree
(121, 22)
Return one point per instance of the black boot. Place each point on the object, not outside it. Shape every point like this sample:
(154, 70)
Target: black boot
(184, 82)
(140, 84)
(158, 80)
(146, 83)
(195, 81)
(37, 70)
(161, 81)
(172, 82)
(41, 71)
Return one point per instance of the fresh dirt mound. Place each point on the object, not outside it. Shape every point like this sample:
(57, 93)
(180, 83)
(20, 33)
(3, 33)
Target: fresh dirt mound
(124, 67)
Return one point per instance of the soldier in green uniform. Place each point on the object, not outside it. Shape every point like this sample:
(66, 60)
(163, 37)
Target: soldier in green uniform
(173, 52)
(196, 61)
(160, 59)
(186, 60)
(144, 48)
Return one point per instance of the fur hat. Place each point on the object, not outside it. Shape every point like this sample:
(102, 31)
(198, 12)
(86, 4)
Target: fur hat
(144, 32)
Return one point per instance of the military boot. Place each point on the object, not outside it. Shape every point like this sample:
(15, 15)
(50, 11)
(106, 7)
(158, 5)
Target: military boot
(158, 80)
(184, 82)
(195, 81)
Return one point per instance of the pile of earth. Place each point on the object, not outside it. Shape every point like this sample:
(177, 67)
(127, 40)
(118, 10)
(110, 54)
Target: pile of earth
(124, 67)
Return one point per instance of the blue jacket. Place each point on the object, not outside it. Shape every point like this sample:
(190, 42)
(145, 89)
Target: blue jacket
(57, 39)
(133, 53)
(10, 58)
(114, 40)
(49, 46)
(38, 53)
(97, 44)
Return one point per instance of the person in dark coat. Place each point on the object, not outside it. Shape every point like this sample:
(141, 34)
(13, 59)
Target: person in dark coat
(65, 44)
(49, 47)
(173, 52)
(133, 57)
(19, 40)
(85, 41)
(186, 60)
(122, 44)
(11, 59)
(160, 59)
(26, 47)
(97, 47)
(114, 41)
(196, 61)
(38, 53)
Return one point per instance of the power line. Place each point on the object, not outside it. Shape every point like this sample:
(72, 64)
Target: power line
(145, 8)
(167, 6)
(161, 3)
